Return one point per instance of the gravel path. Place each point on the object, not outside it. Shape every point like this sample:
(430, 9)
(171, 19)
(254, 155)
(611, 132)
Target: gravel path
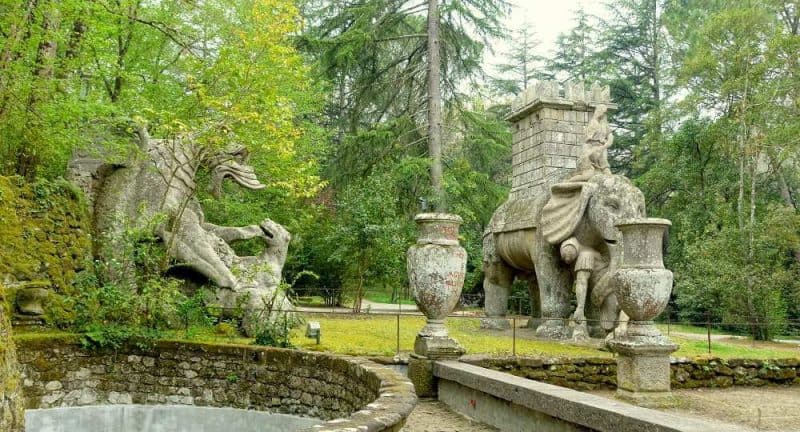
(431, 415)
(760, 408)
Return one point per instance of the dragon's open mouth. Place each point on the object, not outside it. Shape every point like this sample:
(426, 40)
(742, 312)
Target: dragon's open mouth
(244, 175)
(233, 166)
(266, 232)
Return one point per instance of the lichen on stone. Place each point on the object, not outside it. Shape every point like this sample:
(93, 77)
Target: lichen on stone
(44, 234)
(11, 404)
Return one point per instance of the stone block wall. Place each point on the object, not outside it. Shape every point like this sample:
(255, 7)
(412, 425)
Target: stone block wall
(601, 373)
(11, 403)
(45, 238)
(548, 128)
(265, 379)
(577, 374)
(715, 372)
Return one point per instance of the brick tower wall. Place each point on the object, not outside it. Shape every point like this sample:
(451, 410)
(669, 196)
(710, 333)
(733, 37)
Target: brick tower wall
(548, 125)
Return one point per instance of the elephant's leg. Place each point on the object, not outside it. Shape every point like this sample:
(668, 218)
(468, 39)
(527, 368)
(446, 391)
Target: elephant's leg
(555, 290)
(497, 281)
(609, 312)
(536, 305)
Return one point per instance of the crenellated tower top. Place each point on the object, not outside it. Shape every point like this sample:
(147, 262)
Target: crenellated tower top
(549, 128)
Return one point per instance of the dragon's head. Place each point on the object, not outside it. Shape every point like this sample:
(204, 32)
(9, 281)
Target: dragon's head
(232, 163)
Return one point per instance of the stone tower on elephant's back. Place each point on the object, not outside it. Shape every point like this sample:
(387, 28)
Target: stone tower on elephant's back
(548, 125)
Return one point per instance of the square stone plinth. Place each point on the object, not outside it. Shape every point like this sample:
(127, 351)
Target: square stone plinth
(643, 371)
(438, 347)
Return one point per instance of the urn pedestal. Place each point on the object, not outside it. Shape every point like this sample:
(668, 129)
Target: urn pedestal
(643, 287)
(436, 270)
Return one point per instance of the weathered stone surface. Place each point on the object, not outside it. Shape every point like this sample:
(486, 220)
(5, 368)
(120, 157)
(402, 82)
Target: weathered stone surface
(601, 373)
(587, 211)
(436, 271)
(11, 384)
(160, 181)
(355, 391)
(548, 131)
(420, 372)
(556, 408)
(643, 371)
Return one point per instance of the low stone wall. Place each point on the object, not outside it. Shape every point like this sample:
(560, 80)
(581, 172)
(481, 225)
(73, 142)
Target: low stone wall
(514, 404)
(578, 374)
(357, 392)
(601, 373)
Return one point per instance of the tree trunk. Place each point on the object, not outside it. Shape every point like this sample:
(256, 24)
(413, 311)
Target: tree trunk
(27, 158)
(435, 106)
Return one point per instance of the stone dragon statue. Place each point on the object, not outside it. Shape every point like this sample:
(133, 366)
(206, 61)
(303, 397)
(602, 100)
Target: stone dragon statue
(160, 182)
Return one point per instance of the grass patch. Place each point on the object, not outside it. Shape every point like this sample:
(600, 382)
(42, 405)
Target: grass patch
(380, 297)
(685, 328)
(735, 348)
(44, 335)
(376, 335)
(310, 301)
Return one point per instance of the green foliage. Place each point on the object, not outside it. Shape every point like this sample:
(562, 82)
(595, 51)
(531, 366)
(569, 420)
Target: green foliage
(109, 309)
(368, 238)
(274, 333)
(272, 324)
(523, 64)
(576, 51)
(72, 72)
(717, 278)
(707, 98)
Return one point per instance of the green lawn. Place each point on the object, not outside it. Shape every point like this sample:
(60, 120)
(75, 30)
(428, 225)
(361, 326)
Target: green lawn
(376, 335)
(381, 297)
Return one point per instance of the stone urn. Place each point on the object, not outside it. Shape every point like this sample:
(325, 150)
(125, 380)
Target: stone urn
(30, 298)
(642, 284)
(436, 270)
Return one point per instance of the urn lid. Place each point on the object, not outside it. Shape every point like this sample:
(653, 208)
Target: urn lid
(438, 217)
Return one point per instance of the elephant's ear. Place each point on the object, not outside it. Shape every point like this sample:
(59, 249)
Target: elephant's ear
(564, 210)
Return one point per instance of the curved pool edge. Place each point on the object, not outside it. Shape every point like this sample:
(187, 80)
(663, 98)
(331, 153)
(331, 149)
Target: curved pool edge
(349, 393)
(396, 399)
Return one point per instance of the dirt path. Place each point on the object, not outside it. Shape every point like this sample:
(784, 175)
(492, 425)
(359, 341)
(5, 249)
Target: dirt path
(431, 415)
(760, 408)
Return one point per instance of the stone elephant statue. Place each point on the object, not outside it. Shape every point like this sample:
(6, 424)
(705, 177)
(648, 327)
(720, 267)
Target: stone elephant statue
(523, 240)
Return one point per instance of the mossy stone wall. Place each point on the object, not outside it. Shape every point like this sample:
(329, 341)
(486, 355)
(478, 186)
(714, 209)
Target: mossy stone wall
(361, 394)
(11, 403)
(601, 373)
(45, 233)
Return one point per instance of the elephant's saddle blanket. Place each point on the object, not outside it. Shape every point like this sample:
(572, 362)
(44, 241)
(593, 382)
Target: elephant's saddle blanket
(516, 214)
